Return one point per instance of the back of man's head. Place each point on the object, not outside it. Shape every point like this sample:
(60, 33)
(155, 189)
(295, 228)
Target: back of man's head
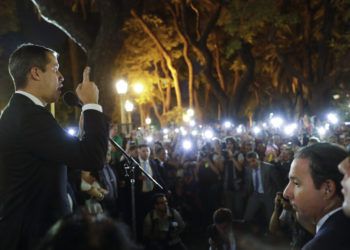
(323, 163)
(81, 231)
(222, 215)
(252, 155)
(25, 57)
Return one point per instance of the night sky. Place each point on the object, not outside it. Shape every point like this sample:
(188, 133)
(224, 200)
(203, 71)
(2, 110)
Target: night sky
(32, 30)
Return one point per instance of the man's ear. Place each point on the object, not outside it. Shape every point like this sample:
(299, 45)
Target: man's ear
(34, 73)
(329, 189)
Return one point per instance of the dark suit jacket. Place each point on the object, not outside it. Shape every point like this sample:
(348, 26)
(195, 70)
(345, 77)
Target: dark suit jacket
(34, 153)
(269, 177)
(155, 175)
(333, 234)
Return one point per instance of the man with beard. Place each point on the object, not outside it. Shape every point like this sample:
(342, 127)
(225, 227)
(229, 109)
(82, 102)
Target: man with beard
(314, 191)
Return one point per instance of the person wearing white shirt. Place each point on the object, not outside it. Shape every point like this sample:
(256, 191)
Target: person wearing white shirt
(35, 150)
(314, 191)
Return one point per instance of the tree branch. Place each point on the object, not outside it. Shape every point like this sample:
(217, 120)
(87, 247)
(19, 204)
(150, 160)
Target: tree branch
(74, 27)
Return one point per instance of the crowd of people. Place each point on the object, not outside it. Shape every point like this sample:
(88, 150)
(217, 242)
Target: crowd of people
(244, 173)
(294, 187)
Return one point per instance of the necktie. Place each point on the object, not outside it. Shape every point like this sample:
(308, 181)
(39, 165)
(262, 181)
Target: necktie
(148, 182)
(257, 182)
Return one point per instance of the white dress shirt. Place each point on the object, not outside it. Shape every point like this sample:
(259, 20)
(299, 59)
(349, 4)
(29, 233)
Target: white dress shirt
(37, 101)
(147, 184)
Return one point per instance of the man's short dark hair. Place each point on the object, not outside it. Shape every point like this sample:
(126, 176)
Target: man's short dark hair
(143, 145)
(252, 155)
(222, 215)
(82, 231)
(25, 57)
(156, 196)
(324, 159)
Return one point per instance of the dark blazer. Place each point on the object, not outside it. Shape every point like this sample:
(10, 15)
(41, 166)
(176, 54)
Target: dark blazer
(34, 153)
(269, 176)
(333, 234)
(155, 175)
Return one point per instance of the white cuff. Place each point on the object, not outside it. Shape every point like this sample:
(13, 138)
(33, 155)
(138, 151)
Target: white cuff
(84, 186)
(93, 106)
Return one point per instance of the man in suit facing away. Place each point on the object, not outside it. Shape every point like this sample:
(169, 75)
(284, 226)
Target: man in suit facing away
(314, 191)
(35, 150)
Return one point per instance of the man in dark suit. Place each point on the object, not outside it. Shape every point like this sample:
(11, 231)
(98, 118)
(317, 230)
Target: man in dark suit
(261, 186)
(35, 150)
(314, 191)
(144, 187)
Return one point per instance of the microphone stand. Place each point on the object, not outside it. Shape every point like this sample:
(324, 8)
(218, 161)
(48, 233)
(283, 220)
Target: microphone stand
(130, 165)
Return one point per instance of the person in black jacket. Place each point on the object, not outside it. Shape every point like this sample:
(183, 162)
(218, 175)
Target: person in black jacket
(314, 191)
(35, 150)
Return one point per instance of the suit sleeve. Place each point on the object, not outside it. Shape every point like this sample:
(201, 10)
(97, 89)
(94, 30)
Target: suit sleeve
(45, 139)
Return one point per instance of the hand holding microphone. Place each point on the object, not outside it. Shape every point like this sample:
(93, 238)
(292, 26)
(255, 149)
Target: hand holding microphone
(87, 91)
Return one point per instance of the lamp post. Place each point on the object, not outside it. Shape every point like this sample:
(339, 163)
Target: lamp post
(129, 107)
(139, 88)
(122, 88)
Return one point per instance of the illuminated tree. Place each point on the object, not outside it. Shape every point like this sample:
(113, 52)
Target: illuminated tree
(96, 27)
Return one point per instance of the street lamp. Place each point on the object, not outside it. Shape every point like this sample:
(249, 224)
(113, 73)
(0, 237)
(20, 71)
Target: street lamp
(148, 121)
(122, 88)
(138, 88)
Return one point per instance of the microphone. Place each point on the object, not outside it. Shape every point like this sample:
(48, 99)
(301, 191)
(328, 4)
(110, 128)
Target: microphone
(71, 99)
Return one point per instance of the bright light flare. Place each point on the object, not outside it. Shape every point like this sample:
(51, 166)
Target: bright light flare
(208, 134)
(187, 144)
(289, 129)
(256, 130)
(276, 122)
(185, 118)
(227, 124)
(121, 86)
(332, 118)
(138, 88)
(149, 139)
(72, 131)
(129, 106)
(321, 131)
(239, 129)
(194, 132)
(148, 121)
(190, 112)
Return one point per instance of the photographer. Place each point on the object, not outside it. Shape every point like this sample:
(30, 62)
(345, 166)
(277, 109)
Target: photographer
(209, 182)
(233, 177)
(162, 226)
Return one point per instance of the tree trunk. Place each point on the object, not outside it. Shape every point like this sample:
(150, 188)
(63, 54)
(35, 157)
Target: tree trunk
(165, 54)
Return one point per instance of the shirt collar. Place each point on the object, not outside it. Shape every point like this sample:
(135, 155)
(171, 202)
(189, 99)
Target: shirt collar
(325, 217)
(31, 97)
(142, 161)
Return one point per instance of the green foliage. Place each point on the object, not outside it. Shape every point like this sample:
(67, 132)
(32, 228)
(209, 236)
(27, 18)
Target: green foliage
(173, 116)
(248, 20)
(140, 60)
